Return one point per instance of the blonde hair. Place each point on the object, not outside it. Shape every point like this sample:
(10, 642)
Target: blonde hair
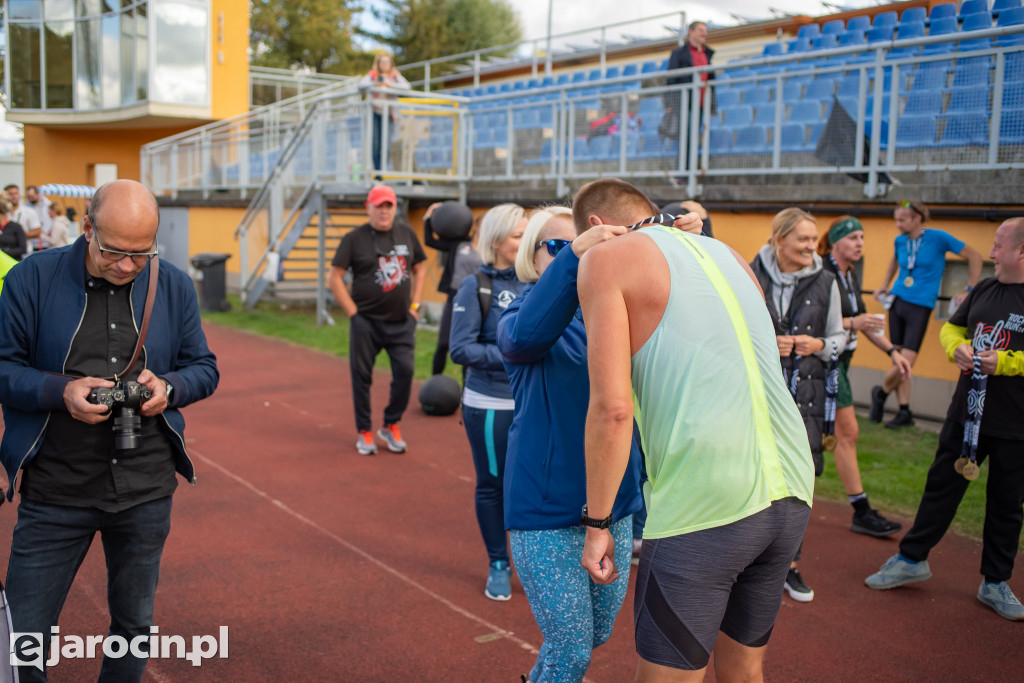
(539, 221)
(496, 226)
(5, 205)
(785, 222)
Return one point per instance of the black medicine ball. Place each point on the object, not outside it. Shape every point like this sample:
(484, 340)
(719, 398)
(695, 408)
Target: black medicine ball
(452, 221)
(676, 209)
(440, 395)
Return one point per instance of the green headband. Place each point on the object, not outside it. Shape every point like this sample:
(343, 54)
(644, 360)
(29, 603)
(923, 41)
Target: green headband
(841, 230)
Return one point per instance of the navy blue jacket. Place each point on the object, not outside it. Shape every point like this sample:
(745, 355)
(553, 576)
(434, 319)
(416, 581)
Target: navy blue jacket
(472, 341)
(42, 305)
(544, 343)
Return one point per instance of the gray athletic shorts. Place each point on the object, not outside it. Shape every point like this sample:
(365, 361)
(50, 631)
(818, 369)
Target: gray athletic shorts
(727, 579)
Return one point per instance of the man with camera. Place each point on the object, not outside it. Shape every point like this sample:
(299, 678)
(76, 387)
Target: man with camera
(91, 417)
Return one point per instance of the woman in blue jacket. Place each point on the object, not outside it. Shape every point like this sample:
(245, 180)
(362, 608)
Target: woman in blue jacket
(542, 338)
(487, 397)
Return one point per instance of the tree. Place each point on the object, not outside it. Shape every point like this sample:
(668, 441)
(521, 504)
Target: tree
(316, 34)
(428, 29)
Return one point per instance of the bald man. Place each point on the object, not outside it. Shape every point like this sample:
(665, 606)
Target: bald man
(679, 338)
(985, 339)
(69, 323)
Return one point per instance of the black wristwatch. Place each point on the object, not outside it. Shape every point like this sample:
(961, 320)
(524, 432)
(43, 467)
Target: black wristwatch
(892, 349)
(586, 520)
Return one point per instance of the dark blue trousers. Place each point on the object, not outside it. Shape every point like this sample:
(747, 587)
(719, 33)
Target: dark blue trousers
(488, 439)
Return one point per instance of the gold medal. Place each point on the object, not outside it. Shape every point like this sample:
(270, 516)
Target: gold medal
(908, 281)
(959, 464)
(971, 471)
(828, 442)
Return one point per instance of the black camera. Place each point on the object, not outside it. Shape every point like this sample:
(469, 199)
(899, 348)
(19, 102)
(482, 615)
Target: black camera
(127, 397)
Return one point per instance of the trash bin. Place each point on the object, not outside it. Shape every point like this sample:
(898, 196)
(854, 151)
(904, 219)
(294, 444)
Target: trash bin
(212, 281)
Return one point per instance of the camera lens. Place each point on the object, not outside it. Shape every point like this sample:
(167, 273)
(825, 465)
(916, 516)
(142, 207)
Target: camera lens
(127, 430)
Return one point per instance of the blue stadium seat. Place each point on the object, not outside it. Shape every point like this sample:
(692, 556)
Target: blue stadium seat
(851, 38)
(969, 99)
(805, 112)
(924, 102)
(579, 149)
(814, 134)
(862, 23)
(824, 42)
(1014, 66)
(792, 140)
(792, 90)
(649, 105)
(906, 31)
(809, 31)
(849, 87)
(1011, 17)
(884, 19)
(970, 74)
(724, 98)
(563, 79)
(612, 72)
(649, 67)
(751, 140)
(772, 49)
(545, 155)
(965, 129)
(915, 131)
(969, 7)
(719, 141)
(943, 11)
(976, 21)
(594, 75)
(765, 116)
(1013, 95)
(737, 116)
(600, 148)
(798, 45)
(1000, 6)
(880, 34)
(820, 90)
(914, 15)
(835, 26)
(579, 77)
(942, 26)
(758, 96)
(630, 70)
(1011, 127)
(526, 119)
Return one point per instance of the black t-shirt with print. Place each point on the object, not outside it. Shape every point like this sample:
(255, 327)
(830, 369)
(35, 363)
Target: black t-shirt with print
(380, 264)
(994, 317)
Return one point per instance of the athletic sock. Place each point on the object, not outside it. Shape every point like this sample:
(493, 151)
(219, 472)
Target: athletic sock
(905, 406)
(906, 559)
(860, 503)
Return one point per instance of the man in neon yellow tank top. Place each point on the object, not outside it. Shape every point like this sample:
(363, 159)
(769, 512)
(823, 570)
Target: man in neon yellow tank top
(680, 340)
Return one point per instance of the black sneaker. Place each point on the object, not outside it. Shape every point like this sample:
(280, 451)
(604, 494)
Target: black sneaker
(878, 397)
(873, 524)
(796, 587)
(903, 418)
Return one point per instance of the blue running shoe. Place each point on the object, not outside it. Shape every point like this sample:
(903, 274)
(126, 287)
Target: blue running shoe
(499, 581)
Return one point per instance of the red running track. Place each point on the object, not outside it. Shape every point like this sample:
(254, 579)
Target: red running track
(330, 566)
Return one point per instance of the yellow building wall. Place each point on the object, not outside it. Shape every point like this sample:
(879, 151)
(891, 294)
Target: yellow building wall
(747, 232)
(212, 229)
(229, 26)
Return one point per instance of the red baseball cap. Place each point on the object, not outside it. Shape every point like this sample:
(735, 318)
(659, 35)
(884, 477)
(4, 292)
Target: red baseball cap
(380, 194)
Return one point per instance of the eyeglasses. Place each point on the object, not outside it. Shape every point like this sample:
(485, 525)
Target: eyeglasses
(554, 246)
(139, 258)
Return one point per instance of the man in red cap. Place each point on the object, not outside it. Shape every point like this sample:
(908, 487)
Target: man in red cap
(386, 261)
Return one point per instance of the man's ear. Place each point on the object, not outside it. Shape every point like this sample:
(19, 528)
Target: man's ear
(593, 221)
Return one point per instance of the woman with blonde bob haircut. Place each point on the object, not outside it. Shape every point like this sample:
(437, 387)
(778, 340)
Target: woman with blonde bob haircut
(487, 397)
(544, 344)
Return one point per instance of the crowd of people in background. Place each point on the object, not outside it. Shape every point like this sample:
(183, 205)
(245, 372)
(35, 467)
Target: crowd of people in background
(33, 224)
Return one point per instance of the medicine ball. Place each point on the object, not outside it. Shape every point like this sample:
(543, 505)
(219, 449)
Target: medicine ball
(440, 395)
(452, 221)
(676, 209)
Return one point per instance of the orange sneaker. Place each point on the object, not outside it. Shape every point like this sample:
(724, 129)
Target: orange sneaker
(365, 444)
(392, 438)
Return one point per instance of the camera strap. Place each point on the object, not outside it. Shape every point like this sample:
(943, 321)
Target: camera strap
(147, 311)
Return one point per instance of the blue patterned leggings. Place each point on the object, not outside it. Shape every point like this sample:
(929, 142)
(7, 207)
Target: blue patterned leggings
(574, 614)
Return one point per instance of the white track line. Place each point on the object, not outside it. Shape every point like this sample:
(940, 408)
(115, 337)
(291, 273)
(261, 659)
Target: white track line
(507, 635)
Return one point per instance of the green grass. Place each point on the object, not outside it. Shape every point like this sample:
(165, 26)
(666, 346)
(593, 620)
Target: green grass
(893, 463)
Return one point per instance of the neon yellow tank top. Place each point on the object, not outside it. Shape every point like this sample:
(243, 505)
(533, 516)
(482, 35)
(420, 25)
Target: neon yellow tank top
(720, 431)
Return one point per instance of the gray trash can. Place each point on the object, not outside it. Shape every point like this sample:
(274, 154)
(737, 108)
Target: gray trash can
(212, 281)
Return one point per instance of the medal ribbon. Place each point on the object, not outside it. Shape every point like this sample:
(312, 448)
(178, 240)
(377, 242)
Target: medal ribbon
(912, 247)
(850, 287)
(832, 391)
(975, 406)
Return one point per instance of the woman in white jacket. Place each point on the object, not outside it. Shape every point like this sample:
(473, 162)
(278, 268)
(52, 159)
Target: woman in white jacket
(382, 74)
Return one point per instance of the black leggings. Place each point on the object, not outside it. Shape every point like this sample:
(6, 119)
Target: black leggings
(443, 338)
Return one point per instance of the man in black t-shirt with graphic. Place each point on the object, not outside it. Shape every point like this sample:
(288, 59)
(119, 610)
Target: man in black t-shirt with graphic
(386, 261)
(988, 328)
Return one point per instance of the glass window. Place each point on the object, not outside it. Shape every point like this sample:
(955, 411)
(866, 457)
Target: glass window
(59, 65)
(87, 8)
(141, 54)
(87, 68)
(111, 5)
(60, 10)
(111, 61)
(127, 58)
(25, 79)
(25, 9)
(180, 73)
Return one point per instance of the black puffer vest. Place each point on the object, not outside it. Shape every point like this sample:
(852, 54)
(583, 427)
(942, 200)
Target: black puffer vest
(808, 314)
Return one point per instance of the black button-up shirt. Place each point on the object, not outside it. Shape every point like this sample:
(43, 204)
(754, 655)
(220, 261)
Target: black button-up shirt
(77, 464)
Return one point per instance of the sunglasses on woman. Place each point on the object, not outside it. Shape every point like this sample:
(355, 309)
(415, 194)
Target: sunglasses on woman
(554, 246)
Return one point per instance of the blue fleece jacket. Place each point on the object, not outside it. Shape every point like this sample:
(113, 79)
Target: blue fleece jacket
(41, 308)
(472, 340)
(544, 344)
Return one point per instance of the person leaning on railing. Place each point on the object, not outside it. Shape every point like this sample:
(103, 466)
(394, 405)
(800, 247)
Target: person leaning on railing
(382, 74)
